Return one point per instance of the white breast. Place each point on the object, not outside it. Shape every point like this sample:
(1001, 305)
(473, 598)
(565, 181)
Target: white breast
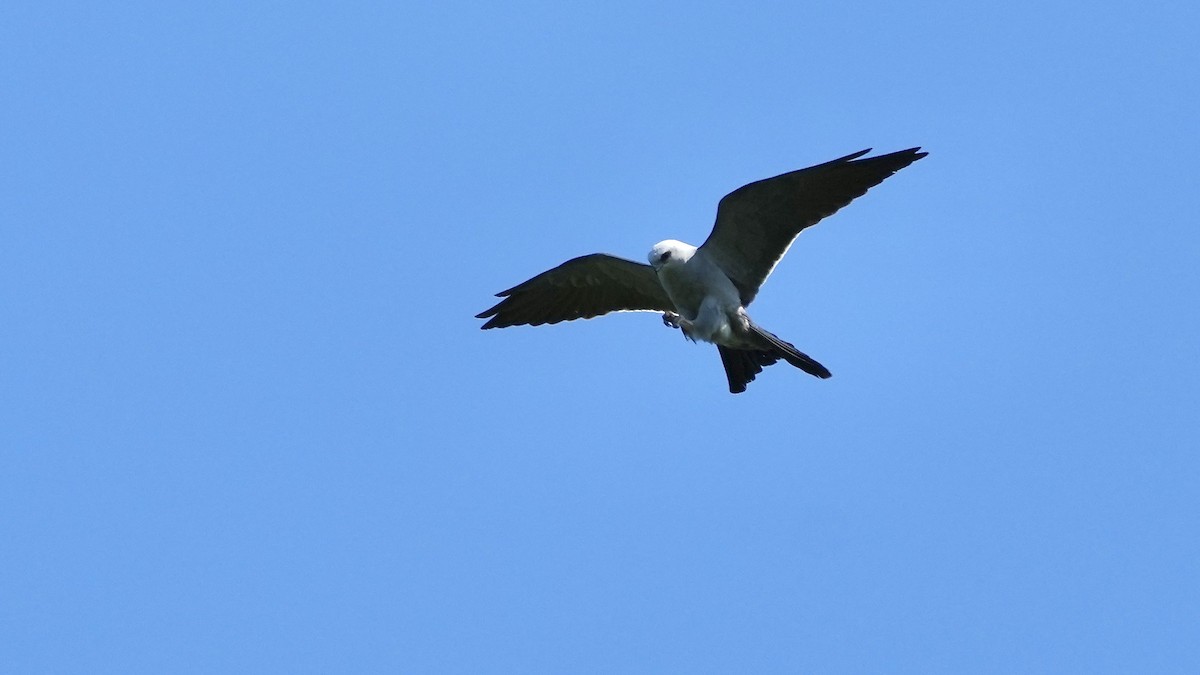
(689, 283)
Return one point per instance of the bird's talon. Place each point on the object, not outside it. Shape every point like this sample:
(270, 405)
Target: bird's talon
(670, 319)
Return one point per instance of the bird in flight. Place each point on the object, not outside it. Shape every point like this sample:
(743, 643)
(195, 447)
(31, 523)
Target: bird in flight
(704, 291)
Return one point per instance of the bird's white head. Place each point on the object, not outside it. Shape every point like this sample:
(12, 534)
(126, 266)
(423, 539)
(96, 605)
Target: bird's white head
(670, 252)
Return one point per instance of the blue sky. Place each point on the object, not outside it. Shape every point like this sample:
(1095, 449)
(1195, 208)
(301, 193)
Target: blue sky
(249, 423)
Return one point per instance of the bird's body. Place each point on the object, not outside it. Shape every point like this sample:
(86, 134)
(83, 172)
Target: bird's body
(709, 308)
(704, 290)
(705, 299)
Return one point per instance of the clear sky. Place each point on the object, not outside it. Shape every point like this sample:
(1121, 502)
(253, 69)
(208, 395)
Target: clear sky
(248, 422)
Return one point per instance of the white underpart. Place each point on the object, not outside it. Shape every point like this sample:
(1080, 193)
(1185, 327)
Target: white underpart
(701, 291)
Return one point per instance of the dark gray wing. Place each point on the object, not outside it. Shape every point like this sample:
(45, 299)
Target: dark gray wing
(756, 223)
(580, 288)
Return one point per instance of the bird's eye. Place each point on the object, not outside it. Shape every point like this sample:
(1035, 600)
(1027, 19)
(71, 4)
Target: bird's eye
(663, 258)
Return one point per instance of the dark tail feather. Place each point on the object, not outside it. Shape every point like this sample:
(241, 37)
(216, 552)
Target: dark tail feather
(741, 365)
(788, 352)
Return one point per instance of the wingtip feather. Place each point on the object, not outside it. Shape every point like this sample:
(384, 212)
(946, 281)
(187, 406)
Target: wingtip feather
(851, 156)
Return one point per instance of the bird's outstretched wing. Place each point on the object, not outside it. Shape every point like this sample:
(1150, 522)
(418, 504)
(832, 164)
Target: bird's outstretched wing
(580, 288)
(756, 223)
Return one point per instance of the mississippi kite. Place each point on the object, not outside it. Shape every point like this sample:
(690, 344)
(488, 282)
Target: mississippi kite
(705, 291)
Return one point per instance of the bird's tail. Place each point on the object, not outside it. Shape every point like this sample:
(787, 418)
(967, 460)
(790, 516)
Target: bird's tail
(788, 352)
(741, 365)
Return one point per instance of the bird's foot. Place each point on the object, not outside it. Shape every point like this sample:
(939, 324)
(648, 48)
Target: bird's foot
(670, 319)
